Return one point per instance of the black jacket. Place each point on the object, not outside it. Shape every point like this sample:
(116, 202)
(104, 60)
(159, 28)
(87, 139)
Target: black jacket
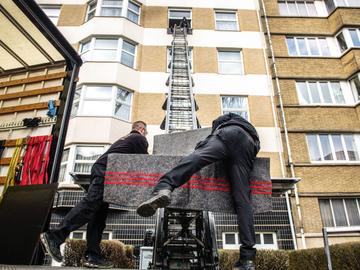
(133, 143)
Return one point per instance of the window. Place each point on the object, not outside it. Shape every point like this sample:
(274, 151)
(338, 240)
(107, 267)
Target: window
(299, 46)
(63, 165)
(355, 86)
(297, 8)
(85, 156)
(340, 212)
(111, 8)
(348, 38)
(341, 41)
(102, 100)
(176, 15)
(320, 93)
(114, 8)
(355, 37)
(264, 240)
(334, 147)
(133, 13)
(230, 62)
(91, 10)
(109, 49)
(52, 12)
(235, 104)
(226, 20)
(332, 4)
(168, 59)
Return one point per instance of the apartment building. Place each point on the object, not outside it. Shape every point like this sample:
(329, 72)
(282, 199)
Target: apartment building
(314, 51)
(125, 46)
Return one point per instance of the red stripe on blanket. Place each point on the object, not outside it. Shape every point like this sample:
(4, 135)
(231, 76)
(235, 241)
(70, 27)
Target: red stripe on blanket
(261, 192)
(260, 182)
(260, 187)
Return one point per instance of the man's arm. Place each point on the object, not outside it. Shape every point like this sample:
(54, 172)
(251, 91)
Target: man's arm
(141, 145)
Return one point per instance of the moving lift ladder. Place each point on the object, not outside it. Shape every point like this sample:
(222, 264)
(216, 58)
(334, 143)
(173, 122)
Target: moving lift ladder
(183, 239)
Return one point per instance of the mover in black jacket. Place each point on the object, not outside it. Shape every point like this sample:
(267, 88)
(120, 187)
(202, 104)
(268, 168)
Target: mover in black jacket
(92, 209)
(234, 141)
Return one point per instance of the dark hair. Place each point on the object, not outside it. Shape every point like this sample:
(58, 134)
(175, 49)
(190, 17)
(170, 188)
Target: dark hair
(138, 124)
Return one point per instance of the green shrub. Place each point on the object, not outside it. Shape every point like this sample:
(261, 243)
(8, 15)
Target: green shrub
(265, 259)
(343, 257)
(114, 251)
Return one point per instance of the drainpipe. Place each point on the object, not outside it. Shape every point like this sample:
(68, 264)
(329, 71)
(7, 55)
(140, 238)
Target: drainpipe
(283, 119)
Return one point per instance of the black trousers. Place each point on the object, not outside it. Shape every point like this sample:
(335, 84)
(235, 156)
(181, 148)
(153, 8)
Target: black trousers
(91, 210)
(235, 148)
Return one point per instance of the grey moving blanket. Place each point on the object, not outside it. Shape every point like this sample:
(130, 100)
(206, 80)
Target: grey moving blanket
(129, 180)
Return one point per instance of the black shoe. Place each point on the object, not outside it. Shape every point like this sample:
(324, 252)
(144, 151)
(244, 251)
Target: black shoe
(159, 199)
(244, 265)
(96, 262)
(51, 246)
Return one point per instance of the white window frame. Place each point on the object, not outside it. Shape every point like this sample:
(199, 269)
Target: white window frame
(65, 164)
(354, 91)
(227, 11)
(225, 110)
(54, 19)
(112, 100)
(124, 10)
(297, 8)
(345, 210)
(85, 161)
(322, 100)
(229, 61)
(91, 10)
(118, 50)
(259, 246)
(114, 7)
(71, 236)
(138, 13)
(334, 160)
(180, 9)
(306, 40)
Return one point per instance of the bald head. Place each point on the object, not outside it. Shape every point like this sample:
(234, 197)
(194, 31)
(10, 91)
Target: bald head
(140, 126)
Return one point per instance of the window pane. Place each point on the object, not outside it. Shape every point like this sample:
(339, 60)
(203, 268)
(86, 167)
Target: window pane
(291, 46)
(311, 8)
(314, 50)
(116, 12)
(330, 5)
(351, 147)
(339, 212)
(326, 214)
(354, 3)
(337, 92)
(325, 145)
(324, 86)
(292, 8)
(105, 236)
(340, 3)
(314, 92)
(77, 235)
(104, 55)
(134, 7)
(179, 14)
(82, 167)
(230, 68)
(122, 111)
(324, 46)
(117, 3)
(313, 148)
(221, 25)
(75, 108)
(225, 16)
(133, 16)
(124, 96)
(65, 155)
(303, 93)
(353, 212)
(302, 46)
(282, 8)
(268, 239)
(102, 92)
(338, 147)
(128, 47)
(301, 8)
(62, 172)
(106, 43)
(355, 85)
(88, 153)
(229, 56)
(230, 239)
(234, 102)
(127, 59)
(94, 107)
(341, 41)
(354, 36)
(85, 47)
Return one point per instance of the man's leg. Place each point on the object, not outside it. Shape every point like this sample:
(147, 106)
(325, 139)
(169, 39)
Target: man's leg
(213, 150)
(78, 216)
